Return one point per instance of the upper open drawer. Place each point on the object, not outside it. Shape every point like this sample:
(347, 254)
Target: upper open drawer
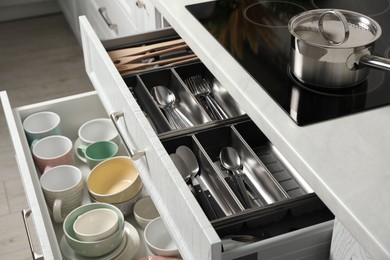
(196, 236)
(186, 221)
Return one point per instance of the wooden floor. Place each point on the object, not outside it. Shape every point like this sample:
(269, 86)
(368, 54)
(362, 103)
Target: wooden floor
(40, 59)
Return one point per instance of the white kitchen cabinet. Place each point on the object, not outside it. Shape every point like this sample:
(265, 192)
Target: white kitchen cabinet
(113, 18)
(194, 233)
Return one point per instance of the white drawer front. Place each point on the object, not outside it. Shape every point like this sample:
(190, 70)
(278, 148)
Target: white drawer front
(186, 221)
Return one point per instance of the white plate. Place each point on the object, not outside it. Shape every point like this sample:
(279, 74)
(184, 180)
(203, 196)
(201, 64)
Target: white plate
(126, 250)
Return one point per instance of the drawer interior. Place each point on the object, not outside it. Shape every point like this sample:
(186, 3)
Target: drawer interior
(287, 203)
(86, 106)
(193, 107)
(198, 238)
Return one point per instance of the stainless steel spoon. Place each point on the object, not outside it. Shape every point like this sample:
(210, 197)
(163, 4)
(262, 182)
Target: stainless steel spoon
(181, 167)
(212, 208)
(166, 99)
(231, 161)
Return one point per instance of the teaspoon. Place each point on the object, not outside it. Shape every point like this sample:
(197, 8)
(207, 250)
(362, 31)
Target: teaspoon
(231, 161)
(166, 99)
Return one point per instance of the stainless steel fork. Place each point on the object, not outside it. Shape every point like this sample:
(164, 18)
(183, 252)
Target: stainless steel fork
(200, 88)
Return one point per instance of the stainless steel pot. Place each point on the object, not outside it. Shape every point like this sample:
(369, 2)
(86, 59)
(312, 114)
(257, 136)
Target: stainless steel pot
(332, 48)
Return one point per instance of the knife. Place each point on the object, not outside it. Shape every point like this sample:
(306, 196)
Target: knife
(232, 182)
(256, 194)
(203, 200)
(214, 204)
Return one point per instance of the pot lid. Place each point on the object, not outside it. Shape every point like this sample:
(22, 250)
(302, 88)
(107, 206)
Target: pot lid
(334, 28)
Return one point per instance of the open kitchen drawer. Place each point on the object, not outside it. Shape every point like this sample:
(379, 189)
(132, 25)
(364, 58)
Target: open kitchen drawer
(197, 236)
(73, 111)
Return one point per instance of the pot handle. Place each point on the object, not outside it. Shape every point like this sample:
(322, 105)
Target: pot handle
(341, 18)
(375, 62)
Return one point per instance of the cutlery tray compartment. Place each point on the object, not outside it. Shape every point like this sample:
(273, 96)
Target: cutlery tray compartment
(273, 161)
(192, 107)
(218, 92)
(279, 214)
(215, 139)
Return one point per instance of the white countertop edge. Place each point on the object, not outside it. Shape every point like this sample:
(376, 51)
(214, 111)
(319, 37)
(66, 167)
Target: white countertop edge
(338, 158)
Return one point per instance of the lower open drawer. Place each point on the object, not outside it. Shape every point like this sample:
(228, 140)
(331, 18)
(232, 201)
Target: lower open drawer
(73, 111)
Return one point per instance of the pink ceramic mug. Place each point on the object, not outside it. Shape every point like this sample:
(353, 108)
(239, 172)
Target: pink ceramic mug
(52, 151)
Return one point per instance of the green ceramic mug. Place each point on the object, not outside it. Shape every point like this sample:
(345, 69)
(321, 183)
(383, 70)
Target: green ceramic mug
(97, 152)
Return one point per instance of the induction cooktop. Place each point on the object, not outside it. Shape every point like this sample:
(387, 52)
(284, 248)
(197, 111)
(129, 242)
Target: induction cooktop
(255, 33)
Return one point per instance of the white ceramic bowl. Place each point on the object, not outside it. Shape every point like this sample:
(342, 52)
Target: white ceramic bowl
(159, 240)
(145, 211)
(126, 207)
(96, 224)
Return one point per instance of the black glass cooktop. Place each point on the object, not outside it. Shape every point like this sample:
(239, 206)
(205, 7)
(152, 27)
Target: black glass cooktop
(255, 33)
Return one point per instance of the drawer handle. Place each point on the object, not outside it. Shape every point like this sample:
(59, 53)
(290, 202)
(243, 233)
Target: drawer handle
(104, 15)
(140, 4)
(135, 155)
(25, 214)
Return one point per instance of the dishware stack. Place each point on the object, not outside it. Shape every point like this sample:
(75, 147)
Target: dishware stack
(98, 230)
(63, 189)
(115, 181)
(97, 141)
(158, 239)
(145, 211)
(49, 148)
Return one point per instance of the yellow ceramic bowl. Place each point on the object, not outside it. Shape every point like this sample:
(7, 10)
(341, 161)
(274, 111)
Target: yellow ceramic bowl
(114, 180)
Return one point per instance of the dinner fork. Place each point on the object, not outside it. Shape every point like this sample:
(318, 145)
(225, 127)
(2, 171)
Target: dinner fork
(200, 88)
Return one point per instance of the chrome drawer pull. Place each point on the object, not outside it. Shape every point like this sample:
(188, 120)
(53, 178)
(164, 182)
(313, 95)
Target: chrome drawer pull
(104, 15)
(135, 155)
(25, 214)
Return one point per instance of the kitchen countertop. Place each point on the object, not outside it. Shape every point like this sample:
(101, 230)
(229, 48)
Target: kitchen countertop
(345, 160)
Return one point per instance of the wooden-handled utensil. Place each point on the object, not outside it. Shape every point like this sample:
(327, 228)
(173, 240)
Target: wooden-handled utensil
(142, 49)
(119, 61)
(172, 61)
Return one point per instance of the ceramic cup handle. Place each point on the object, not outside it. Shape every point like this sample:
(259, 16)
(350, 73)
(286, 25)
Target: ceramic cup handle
(81, 150)
(57, 212)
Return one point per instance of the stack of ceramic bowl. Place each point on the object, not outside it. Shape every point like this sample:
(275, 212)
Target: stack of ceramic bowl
(158, 239)
(115, 181)
(98, 230)
(145, 211)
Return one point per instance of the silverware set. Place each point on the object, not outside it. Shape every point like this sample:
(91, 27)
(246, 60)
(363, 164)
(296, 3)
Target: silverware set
(187, 164)
(237, 179)
(202, 90)
(166, 100)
